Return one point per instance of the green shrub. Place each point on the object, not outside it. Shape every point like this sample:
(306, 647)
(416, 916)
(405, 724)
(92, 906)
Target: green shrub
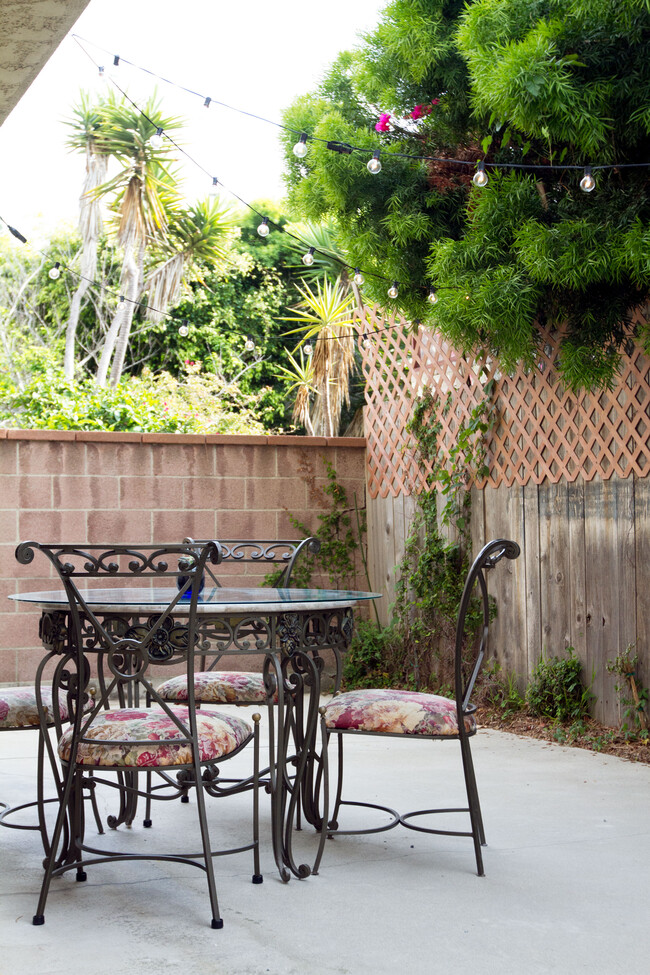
(368, 661)
(556, 689)
(197, 402)
(497, 689)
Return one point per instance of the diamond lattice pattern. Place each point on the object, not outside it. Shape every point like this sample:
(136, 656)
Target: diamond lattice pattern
(543, 431)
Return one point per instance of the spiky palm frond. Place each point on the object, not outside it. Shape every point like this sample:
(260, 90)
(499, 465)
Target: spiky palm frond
(327, 313)
(199, 235)
(329, 259)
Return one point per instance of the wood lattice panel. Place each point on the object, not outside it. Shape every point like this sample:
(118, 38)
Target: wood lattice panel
(543, 430)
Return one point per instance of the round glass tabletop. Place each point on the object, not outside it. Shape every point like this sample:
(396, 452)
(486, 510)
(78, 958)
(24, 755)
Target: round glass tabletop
(212, 599)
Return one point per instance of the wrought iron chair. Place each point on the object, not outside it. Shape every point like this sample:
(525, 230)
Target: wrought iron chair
(412, 714)
(212, 686)
(23, 709)
(129, 740)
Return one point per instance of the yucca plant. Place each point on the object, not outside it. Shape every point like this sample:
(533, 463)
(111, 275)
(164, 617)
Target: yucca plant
(326, 314)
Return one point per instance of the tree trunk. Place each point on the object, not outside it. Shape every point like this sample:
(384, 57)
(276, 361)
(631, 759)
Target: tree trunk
(71, 329)
(122, 338)
(124, 312)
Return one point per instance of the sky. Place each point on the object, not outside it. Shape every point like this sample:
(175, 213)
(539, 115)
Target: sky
(256, 55)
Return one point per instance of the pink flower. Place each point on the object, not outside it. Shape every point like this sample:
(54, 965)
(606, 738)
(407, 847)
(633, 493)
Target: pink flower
(435, 101)
(382, 125)
(419, 111)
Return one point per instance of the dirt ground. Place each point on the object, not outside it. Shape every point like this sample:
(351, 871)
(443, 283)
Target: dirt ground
(590, 734)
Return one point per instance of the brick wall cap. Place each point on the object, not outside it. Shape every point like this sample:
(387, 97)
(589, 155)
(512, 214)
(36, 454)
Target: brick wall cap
(108, 436)
(346, 442)
(252, 439)
(40, 434)
(189, 438)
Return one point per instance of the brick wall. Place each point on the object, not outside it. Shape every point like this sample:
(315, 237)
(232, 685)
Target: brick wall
(128, 487)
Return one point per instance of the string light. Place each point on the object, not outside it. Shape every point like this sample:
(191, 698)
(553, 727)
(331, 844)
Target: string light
(300, 148)
(183, 329)
(249, 345)
(358, 276)
(308, 258)
(374, 164)
(587, 183)
(346, 148)
(432, 297)
(116, 61)
(264, 230)
(156, 141)
(214, 188)
(54, 272)
(480, 177)
(102, 73)
(308, 348)
(393, 291)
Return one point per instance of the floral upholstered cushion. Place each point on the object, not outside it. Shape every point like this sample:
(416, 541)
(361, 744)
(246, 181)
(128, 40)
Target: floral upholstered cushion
(140, 737)
(395, 713)
(18, 708)
(217, 687)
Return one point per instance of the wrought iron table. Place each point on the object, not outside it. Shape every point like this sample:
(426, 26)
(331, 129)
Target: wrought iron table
(291, 628)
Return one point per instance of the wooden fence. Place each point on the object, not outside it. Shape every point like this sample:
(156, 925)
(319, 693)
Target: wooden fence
(568, 481)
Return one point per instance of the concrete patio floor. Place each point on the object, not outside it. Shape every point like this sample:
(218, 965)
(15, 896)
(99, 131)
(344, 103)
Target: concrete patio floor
(565, 888)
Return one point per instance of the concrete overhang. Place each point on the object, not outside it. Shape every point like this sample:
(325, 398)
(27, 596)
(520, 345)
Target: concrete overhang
(30, 32)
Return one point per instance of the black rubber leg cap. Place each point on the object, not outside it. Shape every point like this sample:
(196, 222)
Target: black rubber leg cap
(146, 823)
(258, 878)
(81, 876)
(38, 919)
(185, 798)
(217, 924)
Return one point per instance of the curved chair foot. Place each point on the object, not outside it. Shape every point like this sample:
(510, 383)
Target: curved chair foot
(146, 823)
(38, 919)
(217, 922)
(185, 798)
(81, 876)
(258, 878)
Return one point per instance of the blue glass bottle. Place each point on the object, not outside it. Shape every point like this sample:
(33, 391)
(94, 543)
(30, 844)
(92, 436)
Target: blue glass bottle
(182, 579)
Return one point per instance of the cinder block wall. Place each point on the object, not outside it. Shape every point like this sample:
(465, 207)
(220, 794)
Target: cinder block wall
(147, 488)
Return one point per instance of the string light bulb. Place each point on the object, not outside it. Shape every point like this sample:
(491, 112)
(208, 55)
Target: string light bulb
(54, 272)
(374, 164)
(308, 348)
(183, 329)
(587, 183)
(432, 297)
(480, 177)
(214, 189)
(264, 230)
(249, 345)
(393, 291)
(308, 258)
(102, 73)
(300, 148)
(358, 276)
(156, 141)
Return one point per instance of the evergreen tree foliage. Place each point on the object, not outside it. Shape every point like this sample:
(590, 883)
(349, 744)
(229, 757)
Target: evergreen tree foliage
(521, 83)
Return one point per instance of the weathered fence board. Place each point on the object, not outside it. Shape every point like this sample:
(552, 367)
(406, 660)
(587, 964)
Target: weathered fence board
(582, 580)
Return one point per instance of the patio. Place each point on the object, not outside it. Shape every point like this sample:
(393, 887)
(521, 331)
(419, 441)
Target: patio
(566, 829)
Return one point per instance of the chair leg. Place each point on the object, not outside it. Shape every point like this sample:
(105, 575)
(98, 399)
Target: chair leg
(217, 921)
(60, 825)
(478, 833)
(333, 824)
(324, 778)
(257, 874)
(146, 822)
